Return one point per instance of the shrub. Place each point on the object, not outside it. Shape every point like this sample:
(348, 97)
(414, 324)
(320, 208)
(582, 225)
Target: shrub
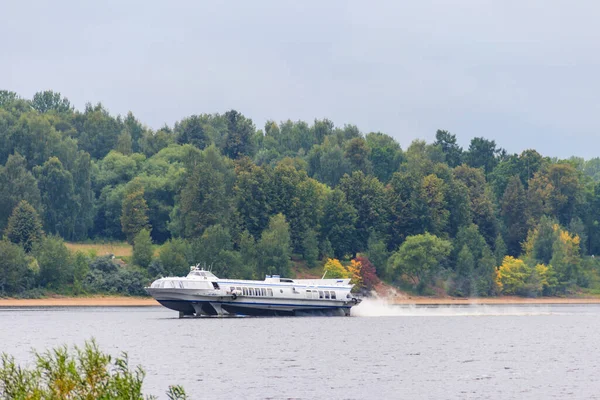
(88, 373)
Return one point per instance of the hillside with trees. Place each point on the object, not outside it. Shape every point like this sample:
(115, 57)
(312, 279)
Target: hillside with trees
(216, 189)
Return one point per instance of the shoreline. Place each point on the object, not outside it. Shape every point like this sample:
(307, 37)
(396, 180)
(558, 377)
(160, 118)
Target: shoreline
(123, 301)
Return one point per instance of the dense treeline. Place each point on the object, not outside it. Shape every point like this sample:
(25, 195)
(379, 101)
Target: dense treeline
(213, 188)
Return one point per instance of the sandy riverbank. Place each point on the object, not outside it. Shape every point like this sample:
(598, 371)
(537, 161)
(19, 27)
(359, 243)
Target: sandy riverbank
(100, 301)
(494, 300)
(117, 301)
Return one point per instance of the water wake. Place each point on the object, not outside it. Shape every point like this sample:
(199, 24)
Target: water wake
(380, 307)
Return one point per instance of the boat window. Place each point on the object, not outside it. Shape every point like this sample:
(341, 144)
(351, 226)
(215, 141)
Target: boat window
(308, 294)
(320, 294)
(327, 294)
(263, 291)
(332, 294)
(239, 288)
(245, 292)
(216, 285)
(180, 284)
(270, 291)
(232, 289)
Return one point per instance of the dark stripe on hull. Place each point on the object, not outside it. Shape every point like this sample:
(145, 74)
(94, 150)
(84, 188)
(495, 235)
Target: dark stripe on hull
(185, 306)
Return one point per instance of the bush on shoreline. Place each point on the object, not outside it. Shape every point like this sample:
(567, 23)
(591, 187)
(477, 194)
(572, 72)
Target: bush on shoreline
(85, 373)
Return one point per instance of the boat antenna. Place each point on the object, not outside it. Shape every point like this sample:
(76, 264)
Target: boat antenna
(325, 273)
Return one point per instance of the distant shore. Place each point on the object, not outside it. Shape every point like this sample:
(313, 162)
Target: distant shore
(494, 300)
(95, 301)
(123, 301)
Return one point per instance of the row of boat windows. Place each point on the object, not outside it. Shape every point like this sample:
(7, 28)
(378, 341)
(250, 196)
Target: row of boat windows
(268, 292)
(261, 292)
(322, 294)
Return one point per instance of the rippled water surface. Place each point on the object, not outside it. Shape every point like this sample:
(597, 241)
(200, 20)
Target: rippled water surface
(391, 352)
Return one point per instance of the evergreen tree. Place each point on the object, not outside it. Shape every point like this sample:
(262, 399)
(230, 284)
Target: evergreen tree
(54, 260)
(274, 248)
(58, 197)
(14, 272)
(500, 250)
(514, 214)
(338, 224)
(310, 246)
(465, 265)
(239, 134)
(142, 248)
(134, 216)
(24, 226)
(16, 184)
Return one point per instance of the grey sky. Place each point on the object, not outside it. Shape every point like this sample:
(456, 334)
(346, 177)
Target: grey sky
(524, 73)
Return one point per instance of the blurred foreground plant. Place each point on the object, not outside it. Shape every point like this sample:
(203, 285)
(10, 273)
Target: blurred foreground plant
(88, 374)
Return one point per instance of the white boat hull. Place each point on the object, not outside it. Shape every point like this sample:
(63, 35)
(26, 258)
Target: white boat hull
(188, 302)
(201, 293)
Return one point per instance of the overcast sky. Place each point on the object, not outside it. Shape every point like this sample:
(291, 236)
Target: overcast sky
(524, 73)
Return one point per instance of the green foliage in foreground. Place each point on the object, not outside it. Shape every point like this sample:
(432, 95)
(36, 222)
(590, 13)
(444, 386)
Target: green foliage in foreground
(86, 373)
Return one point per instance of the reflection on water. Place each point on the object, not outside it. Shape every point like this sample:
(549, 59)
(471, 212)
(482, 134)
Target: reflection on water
(449, 352)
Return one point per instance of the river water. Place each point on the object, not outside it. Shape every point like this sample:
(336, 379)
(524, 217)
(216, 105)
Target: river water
(382, 352)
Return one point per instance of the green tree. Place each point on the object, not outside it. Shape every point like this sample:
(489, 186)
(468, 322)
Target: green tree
(377, 253)
(485, 275)
(500, 250)
(338, 226)
(142, 248)
(514, 214)
(469, 236)
(539, 243)
(555, 190)
(124, 143)
(98, 131)
(58, 197)
(16, 184)
(367, 195)
(207, 194)
(274, 248)
(482, 154)
(14, 268)
(239, 133)
(24, 226)
(447, 142)
(55, 262)
(192, 130)
(50, 101)
(481, 203)
(385, 155)
(134, 216)
(7, 97)
(253, 190)
(84, 196)
(419, 258)
(310, 245)
(173, 257)
(357, 152)
(249, 253)
(465, 266)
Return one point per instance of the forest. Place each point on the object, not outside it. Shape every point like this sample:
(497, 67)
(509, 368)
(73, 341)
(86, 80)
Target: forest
(429, 218)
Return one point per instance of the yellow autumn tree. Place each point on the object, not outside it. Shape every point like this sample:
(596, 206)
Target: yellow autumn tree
(512, 275)
(355, 271)
(566, 257)
(335, 269)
